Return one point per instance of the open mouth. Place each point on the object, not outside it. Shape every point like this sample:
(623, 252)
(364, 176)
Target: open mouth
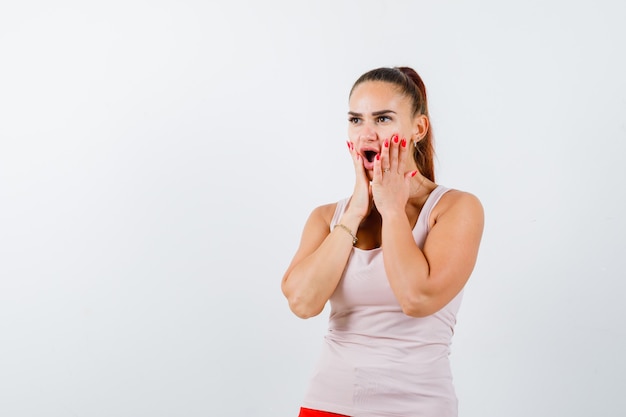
(370, 155)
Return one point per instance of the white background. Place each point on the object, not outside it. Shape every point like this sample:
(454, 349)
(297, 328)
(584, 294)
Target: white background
(158, 160)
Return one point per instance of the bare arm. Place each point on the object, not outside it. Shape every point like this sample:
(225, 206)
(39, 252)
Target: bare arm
(318, 264)
(425, 281)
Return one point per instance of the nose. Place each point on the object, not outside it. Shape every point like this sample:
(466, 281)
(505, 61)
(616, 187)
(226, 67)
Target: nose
(368, 133)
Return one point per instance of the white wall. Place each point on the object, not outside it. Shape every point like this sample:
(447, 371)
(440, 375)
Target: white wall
(158, 160)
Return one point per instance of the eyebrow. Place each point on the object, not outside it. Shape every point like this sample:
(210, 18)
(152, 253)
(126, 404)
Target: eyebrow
(376, 113)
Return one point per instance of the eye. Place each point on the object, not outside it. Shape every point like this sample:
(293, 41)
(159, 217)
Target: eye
(354, 120)
(383, 119)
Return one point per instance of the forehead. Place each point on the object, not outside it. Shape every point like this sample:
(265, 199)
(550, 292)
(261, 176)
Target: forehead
(377, 95)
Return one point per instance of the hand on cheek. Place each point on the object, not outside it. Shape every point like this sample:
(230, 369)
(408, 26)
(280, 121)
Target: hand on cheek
(391, 184)
(361, 199)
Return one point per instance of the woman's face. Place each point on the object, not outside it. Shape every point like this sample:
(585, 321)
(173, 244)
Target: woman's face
(377, 112)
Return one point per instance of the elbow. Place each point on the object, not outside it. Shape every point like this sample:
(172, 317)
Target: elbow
(416, 311)
(417, 306)
(299, 305)
(302, 302)
(302, 309)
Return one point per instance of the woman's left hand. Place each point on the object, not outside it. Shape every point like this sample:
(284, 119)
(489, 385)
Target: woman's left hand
(391, 183)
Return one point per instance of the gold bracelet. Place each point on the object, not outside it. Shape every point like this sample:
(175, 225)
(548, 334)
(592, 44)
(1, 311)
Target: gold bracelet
(354, 239)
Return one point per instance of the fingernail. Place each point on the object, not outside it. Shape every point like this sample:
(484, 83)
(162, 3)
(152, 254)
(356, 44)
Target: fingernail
(395, 138)
(386, 143)
(413, 173)
(378, 157)
(348, 143)
(403, 143)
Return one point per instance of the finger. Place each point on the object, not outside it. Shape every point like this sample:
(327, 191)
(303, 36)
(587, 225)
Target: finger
(393, 153)
(359, 169)
(356, 158)
(384, 156)
(360, 174)
(403, 149)
(351, 150)
(378, 172)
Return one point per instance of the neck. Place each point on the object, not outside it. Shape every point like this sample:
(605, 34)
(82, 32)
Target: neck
(421, 186)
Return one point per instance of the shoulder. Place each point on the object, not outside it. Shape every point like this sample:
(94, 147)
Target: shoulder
(454, 197)
(458, 204)
(317, 226)
(324, 213)
(325, 209)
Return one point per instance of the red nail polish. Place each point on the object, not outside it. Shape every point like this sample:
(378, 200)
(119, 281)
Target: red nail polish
(413, 173)
(378, 157)
(395, 138)
(403, 143)
(386, 143)
(348, 143)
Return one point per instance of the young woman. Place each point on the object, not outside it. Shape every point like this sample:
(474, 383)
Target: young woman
(392, 258)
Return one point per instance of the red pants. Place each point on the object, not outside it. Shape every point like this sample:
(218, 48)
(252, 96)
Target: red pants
(307, 412)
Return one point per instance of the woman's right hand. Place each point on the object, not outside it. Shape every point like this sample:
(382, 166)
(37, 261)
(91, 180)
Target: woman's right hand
(321, 258)
(361, 201)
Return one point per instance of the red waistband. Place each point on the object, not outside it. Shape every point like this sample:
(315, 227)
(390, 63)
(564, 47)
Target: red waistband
(307, 412)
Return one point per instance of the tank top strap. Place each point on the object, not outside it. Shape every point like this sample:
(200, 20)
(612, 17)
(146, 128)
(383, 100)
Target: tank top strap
(432, 200)
(424, 216)
(341, 207)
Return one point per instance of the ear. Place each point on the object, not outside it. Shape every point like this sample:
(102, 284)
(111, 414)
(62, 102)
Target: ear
(420, 127)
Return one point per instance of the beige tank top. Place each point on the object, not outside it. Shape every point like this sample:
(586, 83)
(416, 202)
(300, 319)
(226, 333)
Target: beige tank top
(376, 361)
